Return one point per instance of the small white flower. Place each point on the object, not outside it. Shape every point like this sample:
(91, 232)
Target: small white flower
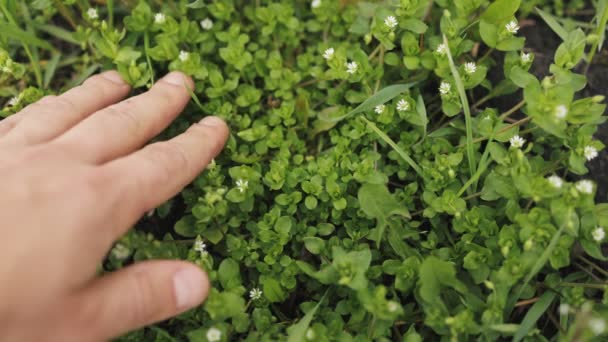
(214, 335)
(315, 3)
(120, 252)
(352, 67)
(590, 152)
(329, 53)
(442, 49)
(585, 186)
(597, 325)
(390, 22)
(160, 18)
(445, 88)
(564, 309)
(556, 181)
(403, 105)
(512, 27)
(92, 13)
(517, 142)
(470, 68)
(526, 57)
(200, 246)
(13, 101)
(380, 109)
(598, 234)
(561, 112)
(392, 306)
(242, 185)
(255, 294)
(184, 55)
(206, 24)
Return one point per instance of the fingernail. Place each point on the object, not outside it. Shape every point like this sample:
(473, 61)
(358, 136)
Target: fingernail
(212, 121)
(175, 78)
(188, 285)
(113, 77)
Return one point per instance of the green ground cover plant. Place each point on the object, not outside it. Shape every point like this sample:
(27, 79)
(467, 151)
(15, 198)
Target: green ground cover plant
(372, 187)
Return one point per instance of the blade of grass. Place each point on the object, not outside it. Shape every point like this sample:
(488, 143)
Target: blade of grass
(483, 165)
(395, 147)
(146, 51)
(465, 107)
(27, 19)
(532, 316)
(57, 32)
(297, 332)
(194, 97)
(553, 24)
(602, 19)
(51, 67)
(11, 30)
(110, 6)
(84, 75)
(603, 6)
(382, 96)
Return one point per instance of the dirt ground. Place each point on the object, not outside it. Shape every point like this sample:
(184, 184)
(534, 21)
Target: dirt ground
(543, 42)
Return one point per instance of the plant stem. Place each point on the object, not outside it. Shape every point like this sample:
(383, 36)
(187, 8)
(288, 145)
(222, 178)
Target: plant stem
(466, 109)
(600, 286)
(485, 56)
(510, 112)
(601, 27)
(594, 266)
(374, 53)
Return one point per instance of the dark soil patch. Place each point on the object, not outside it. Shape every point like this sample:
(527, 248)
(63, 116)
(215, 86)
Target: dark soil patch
(543, 42)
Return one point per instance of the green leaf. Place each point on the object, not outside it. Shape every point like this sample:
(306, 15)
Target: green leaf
(532, 316)
(223, 305)
(297, 332)
(57, 32)
(415, 25)
(186, 226)
(500, 10)
(540, 262)
(376, 201)
(229, 274)
(273, 291)
(553, 24)
(314, 244)
(9, 31)
(433, 275)
(196, 4)
(411, 335)
(421, 110)
(381, 97)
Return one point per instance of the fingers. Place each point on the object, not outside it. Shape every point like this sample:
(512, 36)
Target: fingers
(53, 115)
(123, 128)
(137, 296)
(159, 171)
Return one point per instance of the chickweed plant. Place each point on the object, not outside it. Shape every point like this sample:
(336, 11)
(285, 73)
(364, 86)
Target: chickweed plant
(395, 171)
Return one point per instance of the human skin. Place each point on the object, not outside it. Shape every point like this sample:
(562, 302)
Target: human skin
(75, 176)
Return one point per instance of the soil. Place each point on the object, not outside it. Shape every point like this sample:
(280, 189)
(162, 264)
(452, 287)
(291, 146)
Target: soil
(543, 42)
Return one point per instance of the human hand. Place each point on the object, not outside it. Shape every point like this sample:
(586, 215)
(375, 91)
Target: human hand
(74, 178)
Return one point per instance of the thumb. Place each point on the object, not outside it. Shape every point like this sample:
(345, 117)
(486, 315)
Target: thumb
(140, 295)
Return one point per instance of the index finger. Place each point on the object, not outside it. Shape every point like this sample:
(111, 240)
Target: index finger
(159, 171)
